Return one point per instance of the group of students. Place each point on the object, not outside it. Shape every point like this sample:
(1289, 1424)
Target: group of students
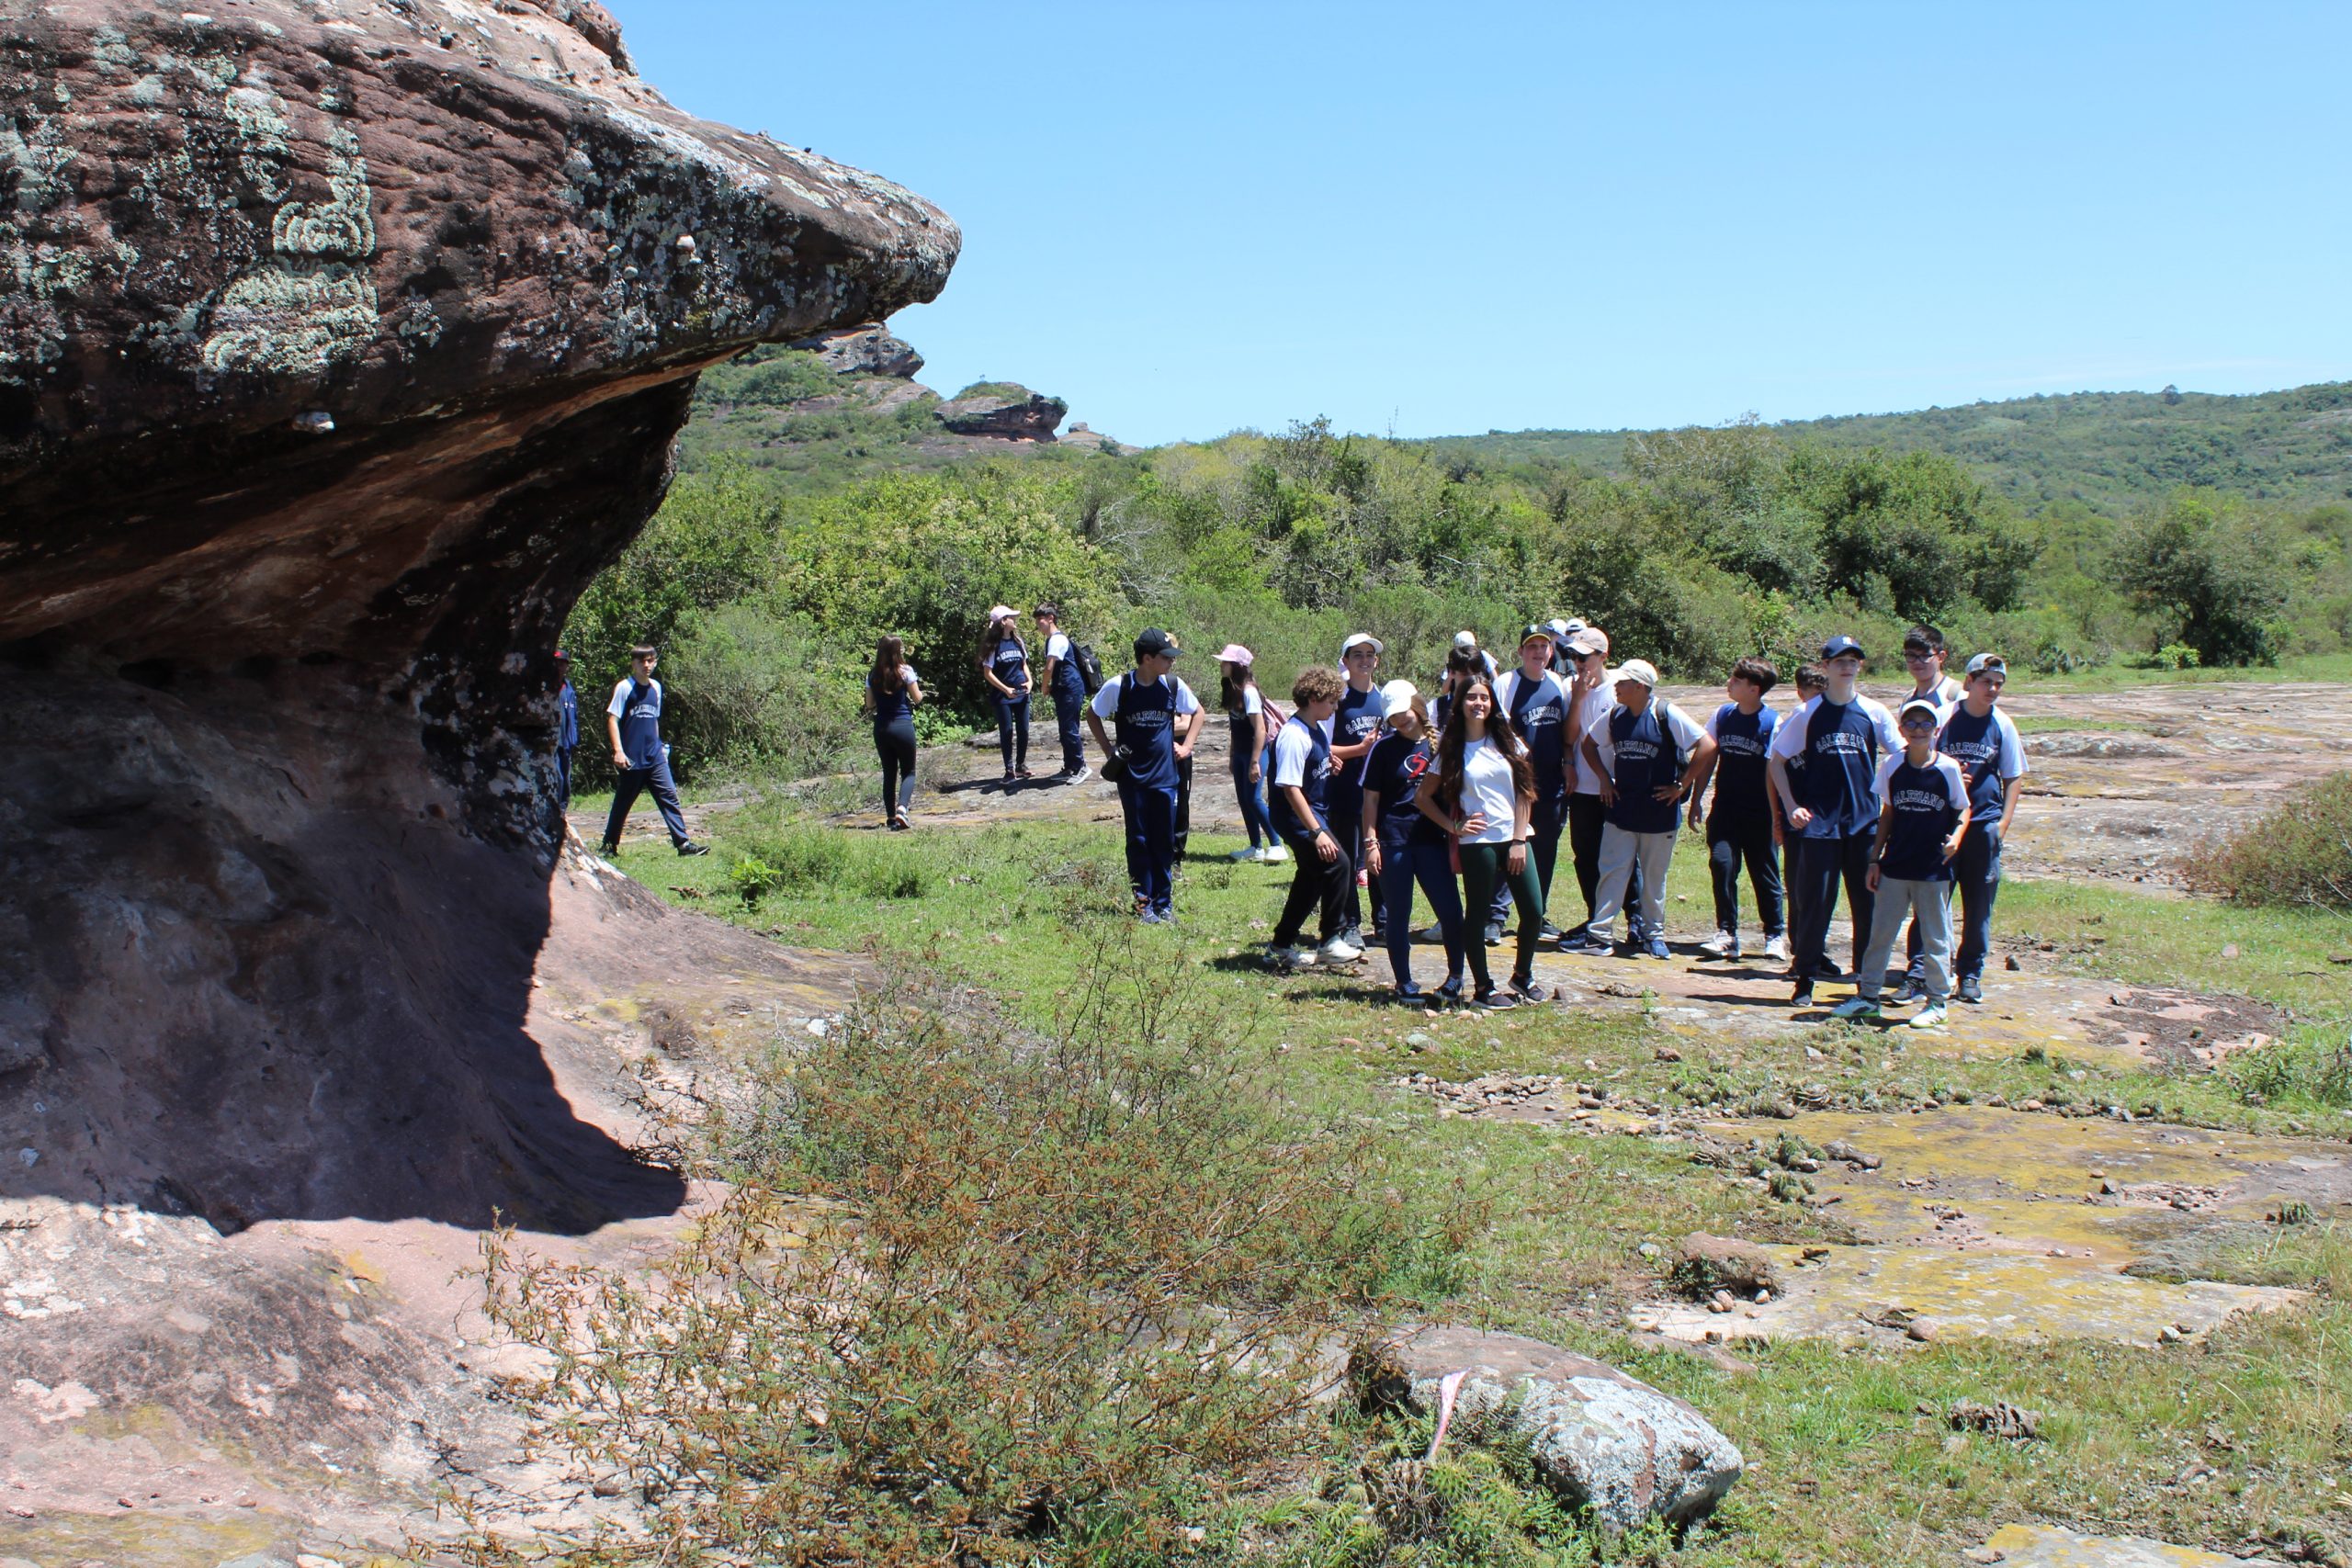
(1375, 790)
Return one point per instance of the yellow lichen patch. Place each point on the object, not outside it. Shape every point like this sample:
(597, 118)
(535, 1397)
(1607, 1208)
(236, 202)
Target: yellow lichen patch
(2048, 1546)
(1927, 1294)
(357, 1266)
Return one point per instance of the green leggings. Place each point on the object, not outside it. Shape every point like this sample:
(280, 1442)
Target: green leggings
(1482, 872)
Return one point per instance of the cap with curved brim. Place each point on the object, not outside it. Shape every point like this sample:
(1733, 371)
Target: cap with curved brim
(1537, 632)
(1920, 704)
(999, 612)
(1637, 670)
(1235, 653)
(1976, 666)
(1361, 639)
(1397, 698)
(1466, 639)
(1582, 646)
(1152, 640)
(1838, 647)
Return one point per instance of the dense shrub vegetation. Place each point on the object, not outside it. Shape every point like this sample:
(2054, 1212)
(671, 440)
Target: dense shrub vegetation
(2297, 854)
(979, 1295)
(778, 561)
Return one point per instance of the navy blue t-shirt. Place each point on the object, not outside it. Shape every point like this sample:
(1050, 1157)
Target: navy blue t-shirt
(1539, 711)
(1314, 781)
(1010, 664)
(1989, 753)
(1743, 790)
(567, 734)
(1356, 720)
(639, 703)
(1393, 773)
(1841, 745)
(1926, 802)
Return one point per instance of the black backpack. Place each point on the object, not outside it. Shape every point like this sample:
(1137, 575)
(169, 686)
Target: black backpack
(1090, 669)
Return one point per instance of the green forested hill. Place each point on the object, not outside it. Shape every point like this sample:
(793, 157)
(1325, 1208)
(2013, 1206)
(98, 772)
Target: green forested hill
(2109, 450)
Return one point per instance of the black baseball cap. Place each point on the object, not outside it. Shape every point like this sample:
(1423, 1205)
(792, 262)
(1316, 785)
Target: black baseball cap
(1842, 644)
(1152, 640)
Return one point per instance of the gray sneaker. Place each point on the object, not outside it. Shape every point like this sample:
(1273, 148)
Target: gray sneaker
(1971, 989)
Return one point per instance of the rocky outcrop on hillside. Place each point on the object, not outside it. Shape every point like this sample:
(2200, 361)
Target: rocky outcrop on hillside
(1006, 410)
(868, 350)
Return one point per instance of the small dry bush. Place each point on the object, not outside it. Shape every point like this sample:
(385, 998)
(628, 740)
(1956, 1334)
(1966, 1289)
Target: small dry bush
(2298, 854)
(978, 1296)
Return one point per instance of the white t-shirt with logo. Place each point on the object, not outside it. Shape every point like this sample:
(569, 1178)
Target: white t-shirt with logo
(1487, 788)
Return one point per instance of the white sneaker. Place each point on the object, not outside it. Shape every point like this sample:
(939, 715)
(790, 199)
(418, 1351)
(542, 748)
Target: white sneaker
(1083, 773)
(1720, 943)
(1276, 855)
(1246, 853)
(1776, 948)
(1932, 1016)
(1289, 957)
(1339, 950)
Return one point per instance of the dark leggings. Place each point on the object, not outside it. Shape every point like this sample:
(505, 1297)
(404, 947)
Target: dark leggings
(1254, 797)
(1482, 872)
(895, 739)
(1012, 730)
(1317, 884)
(1403, 864)
(1729, 843)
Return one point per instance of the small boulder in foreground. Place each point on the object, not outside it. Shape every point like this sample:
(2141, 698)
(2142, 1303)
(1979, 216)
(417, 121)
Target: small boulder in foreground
(1604, 1439)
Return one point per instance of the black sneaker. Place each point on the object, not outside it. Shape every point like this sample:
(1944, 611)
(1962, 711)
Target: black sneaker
(1530, 989)
(1407, 991)
(1827, 970)
(1802, 997)
(1911, 990)
(608, 850)
(1495, 1001)
(690, 848)
(1550, 932)
(1448, 994)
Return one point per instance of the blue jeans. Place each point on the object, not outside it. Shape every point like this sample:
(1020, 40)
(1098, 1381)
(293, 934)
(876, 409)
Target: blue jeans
(1151, 844)
(1254, 797)
(1012, 730)
(631, 783)
(1403, 864)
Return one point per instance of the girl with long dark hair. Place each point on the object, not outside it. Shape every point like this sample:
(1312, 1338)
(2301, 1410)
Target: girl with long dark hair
(1402, 846)
(1004, 665)
(1482, 795)
(1250, 722)
(893, 691)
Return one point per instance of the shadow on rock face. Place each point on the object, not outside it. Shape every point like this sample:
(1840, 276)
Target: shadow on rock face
(263, 970)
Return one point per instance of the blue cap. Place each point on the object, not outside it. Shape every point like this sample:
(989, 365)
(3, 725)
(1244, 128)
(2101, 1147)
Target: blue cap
(1842, 644)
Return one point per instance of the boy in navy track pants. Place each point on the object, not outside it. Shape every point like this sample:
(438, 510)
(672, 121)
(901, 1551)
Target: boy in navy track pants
(1739, 822)
(1352, 728)
(1157, 717)
(1840, 735)
(1066, 684)
(640, 757)
(1991, 755)
(567, 736)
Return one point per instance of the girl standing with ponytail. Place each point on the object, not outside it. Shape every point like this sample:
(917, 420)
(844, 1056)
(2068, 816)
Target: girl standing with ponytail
(892, 694)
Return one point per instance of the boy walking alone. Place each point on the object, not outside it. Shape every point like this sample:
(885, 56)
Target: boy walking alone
(1920, 826)
(633, 723)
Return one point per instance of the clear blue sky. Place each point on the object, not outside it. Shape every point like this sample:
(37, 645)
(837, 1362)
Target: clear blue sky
(1186, 218)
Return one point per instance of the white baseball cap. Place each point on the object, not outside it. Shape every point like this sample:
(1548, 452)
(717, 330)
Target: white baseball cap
(1361, 639)
(1640, 670)
(1466, 639)
(1396, 697)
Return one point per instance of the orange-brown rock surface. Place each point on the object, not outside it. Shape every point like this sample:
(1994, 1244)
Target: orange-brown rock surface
(341, 342)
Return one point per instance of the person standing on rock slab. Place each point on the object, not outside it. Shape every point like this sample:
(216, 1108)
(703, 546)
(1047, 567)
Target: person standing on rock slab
(1923, 819)
(1650, 755)
(1740, 823)
(1245, 717)
(1538, 703)
(1808, 682)
(1157, 717)
(567, 734)
(1067, 686)
(1004, 665)
(1354, 726)
(893, 691)
(1483, 796)
(1991, 755)
(1840, 735)
(640, 757)
(1303, 786)
(1587, 815)
(1403, 846)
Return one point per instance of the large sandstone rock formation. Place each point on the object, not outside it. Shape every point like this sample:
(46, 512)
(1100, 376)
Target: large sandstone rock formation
(341, 341)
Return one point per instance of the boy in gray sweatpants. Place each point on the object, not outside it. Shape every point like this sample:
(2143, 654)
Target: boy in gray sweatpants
(1923, 815)
(1638, 750)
